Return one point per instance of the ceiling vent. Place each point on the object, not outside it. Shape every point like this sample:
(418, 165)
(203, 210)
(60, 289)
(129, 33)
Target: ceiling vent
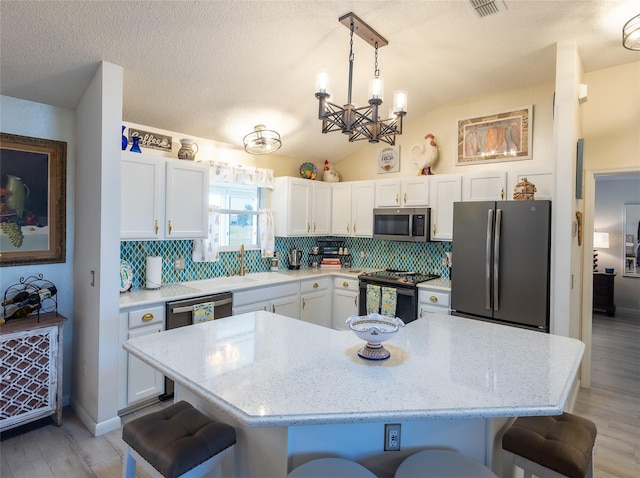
(487, 7)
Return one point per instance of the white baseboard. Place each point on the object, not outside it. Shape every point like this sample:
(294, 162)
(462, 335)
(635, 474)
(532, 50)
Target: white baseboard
(635, 313)
(95, 428)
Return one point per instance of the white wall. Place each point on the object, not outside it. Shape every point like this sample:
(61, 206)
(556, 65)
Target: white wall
(42, 121)
(611, 196)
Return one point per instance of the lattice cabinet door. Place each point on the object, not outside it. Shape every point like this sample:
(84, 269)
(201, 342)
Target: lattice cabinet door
(30, 365)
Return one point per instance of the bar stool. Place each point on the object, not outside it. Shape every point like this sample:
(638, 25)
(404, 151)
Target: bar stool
(550, 446)
(176, 441)
(333, 467)
(441, 464)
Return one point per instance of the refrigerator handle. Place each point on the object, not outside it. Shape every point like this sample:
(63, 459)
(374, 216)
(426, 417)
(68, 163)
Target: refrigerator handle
(487, 263)
(496, 262)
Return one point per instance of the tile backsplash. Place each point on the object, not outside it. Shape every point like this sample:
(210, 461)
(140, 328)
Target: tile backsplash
(365, 252)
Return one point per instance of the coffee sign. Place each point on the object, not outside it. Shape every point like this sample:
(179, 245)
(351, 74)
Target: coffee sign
(151, 140)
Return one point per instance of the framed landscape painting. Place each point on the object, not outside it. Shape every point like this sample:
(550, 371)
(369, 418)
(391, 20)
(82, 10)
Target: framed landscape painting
(32, 200)
(502, 136)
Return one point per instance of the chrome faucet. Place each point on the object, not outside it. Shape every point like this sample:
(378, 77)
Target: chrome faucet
(241, 258)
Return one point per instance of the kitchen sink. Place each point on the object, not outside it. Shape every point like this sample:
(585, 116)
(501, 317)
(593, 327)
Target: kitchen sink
(222, 282)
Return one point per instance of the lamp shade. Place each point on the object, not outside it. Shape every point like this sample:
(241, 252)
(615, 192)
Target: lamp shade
(601, 240)
(262, 141)
(631, 34)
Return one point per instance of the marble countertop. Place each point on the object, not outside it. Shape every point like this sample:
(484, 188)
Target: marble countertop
(268, 370)
(183, 290)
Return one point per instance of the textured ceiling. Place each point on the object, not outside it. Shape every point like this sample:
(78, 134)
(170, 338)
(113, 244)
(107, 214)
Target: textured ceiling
(214, 69)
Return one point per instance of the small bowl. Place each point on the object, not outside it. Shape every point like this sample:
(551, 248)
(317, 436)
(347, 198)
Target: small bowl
(375, 329)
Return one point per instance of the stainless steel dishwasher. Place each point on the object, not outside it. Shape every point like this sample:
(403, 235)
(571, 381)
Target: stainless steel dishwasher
(179, 313)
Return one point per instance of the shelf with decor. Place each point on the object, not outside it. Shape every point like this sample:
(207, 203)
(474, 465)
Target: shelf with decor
(329, 254)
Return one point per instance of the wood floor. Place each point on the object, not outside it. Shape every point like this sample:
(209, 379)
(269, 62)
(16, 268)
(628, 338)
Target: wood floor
(613, 403)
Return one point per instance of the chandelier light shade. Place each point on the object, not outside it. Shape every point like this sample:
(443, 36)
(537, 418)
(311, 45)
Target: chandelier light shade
(262, 141)
(631, 34)
(364, 122)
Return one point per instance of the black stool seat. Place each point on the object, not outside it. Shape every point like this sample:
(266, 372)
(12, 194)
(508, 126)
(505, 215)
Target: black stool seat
(561, 443)
(178, 438)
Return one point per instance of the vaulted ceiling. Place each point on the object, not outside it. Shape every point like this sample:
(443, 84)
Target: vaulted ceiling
(214, 69)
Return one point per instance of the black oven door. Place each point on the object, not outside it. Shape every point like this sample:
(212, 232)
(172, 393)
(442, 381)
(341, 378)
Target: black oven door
(406, 302)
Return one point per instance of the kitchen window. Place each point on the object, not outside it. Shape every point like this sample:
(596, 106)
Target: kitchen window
(238, 214)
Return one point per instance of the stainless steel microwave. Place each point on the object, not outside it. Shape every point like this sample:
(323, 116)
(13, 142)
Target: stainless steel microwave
(402, 224)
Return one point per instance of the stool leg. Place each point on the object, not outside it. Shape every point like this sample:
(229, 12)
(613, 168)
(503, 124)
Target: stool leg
(129, 465)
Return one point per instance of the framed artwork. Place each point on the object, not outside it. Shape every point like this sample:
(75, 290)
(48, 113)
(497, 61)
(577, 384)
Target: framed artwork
(388, 159)
(32, 200)
(490, 138)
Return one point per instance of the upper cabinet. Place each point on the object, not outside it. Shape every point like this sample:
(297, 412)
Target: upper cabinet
(541, 178)
(163, 198)
(301, 207)
(352, 208)
(409, 192)
(489, 186)
(445, 189)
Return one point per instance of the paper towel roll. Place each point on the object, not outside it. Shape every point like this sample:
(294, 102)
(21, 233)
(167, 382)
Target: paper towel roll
(154, 272)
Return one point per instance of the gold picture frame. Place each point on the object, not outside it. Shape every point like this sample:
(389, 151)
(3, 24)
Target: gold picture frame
(501, 136)
(33, 200)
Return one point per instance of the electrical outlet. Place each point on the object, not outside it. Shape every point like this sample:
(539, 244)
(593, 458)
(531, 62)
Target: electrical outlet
(179, 264)
(391, 437)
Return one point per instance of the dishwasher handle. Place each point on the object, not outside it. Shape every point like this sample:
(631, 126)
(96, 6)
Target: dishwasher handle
(189, 308)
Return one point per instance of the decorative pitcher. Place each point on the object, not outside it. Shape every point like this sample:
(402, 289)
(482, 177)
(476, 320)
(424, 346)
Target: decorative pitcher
(188, 149)
(19, 193)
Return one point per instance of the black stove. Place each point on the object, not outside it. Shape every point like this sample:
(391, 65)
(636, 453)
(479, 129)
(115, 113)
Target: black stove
(397, 278)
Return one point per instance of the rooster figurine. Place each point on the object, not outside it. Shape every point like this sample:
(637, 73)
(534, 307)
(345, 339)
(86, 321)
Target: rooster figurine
(425, 155)
(330, 175)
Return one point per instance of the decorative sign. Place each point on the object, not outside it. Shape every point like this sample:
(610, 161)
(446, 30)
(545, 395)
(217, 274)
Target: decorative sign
(151, 140)
(389, 159)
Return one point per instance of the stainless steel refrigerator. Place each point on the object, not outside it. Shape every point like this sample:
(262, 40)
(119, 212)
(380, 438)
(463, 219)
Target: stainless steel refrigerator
(500, 265)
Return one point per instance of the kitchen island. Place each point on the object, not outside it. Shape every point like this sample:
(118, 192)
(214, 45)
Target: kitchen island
(296, 391)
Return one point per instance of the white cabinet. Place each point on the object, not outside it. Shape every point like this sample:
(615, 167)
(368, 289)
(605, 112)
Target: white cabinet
(138, 382)
(301, 207)
(281, 299)
(431, 301)
(315, 301)
(345, 301)
(445, 189)
(489, 186)
(541, 178)
(402, 192)
(163, 199)
(352, 208)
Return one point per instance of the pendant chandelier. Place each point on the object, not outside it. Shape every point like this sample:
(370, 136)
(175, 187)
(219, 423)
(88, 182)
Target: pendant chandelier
(631, 34)
(262, 141)
(364, 122)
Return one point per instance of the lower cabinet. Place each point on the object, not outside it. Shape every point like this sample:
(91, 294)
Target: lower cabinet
(345, 301)
(31, 370)
(433, 302)
(280, 299)
(138, 382)
(315, 301)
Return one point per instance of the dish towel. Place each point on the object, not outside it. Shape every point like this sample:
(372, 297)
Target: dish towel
(389, 302)
(373, 299)
(203, 312)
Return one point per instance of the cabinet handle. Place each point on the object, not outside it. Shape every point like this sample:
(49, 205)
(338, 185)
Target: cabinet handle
(170, 227)
(315, 285)
(355, 301)
(501, 193)
(157, 226)
(347, 228)
(354, 228)
(396, 198)
(147, 317)
(433, 298)
(314, 227)
(421, 312)
(434, 229)
(303, 303)
(264, 308)
(345, 284)
(405, 198)
(273, 308)
(308, 227)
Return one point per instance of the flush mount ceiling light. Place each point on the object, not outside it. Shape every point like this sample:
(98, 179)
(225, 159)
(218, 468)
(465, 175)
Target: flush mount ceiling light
(631, 34)
(361, 123)
(262, 141)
